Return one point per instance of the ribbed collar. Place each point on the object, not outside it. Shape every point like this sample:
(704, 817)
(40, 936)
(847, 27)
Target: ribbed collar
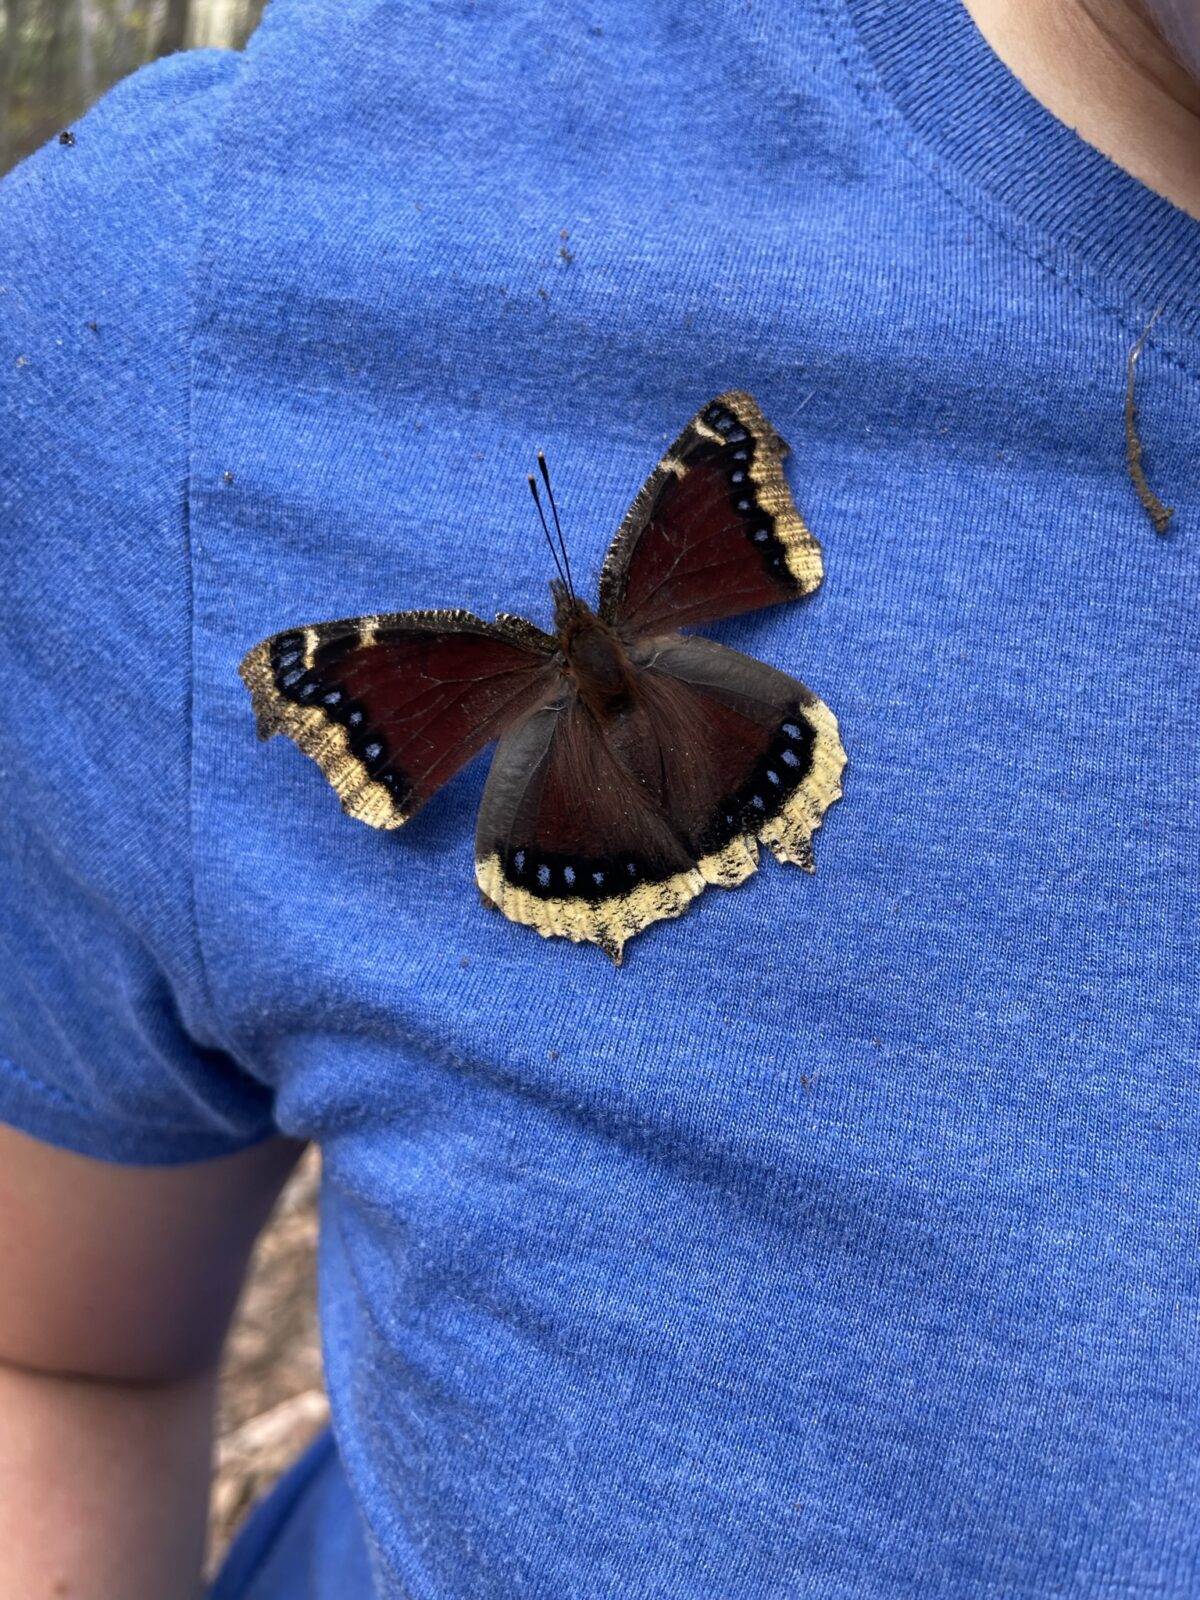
(977, 119)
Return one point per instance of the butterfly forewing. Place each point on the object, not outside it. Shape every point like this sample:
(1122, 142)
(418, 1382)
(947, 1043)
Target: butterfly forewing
(391, 707)
(714, 530)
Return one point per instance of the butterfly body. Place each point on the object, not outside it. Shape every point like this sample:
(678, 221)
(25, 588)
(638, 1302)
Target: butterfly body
(595, 659)
(635, 765)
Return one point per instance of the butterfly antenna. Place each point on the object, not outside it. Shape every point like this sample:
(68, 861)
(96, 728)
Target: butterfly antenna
(545, 471)
(533, 489)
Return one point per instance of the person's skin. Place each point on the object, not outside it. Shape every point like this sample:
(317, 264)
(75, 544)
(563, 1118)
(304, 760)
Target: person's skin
(1103, 68)
(116, 1289)
(117, 1283)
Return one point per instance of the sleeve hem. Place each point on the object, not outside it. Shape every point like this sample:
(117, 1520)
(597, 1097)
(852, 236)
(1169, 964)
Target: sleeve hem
(46, 1113)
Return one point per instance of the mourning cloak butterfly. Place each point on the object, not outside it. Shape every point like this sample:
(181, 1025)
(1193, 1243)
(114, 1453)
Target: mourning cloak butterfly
(635, 765)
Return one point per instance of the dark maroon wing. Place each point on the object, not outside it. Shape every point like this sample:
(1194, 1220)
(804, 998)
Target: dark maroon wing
(714, 530)
(766, 760)
(391, 707)
(593, 830)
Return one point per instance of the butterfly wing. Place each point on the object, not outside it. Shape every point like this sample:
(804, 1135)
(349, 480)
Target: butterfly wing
(714, 530)
(391, 707)
(593, 831)
(774, 754)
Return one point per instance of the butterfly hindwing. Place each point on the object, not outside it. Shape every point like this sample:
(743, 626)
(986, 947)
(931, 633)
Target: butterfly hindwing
(566, 843)
(714, 531)
(391, 707)
(776, 788)
(593, 831)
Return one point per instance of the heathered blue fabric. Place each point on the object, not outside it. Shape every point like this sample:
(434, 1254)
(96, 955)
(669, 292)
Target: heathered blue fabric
(108, 1038)
(844, 1242)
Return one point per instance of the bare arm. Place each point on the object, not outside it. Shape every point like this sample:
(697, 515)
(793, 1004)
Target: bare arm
(116, 1288)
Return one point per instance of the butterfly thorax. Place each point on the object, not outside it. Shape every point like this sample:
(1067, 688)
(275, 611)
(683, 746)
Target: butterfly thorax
(595, 660)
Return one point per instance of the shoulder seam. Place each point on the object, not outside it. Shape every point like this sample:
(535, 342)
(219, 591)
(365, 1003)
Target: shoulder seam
(207, 992)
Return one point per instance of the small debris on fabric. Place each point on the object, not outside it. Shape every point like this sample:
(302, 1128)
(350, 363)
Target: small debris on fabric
(1159, 514)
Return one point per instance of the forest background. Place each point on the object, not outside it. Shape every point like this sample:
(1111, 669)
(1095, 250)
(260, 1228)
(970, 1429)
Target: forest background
(57, 57)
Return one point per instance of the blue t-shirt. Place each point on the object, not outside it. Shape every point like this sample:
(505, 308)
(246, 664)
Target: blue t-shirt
(843, 1243)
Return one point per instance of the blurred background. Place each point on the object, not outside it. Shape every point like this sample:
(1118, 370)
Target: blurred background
(57, 57)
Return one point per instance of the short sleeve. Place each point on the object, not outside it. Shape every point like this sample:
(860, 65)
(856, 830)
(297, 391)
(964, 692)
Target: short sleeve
(108, 1044)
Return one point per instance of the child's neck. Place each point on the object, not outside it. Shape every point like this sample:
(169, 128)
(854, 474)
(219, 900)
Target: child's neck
(1102, 67)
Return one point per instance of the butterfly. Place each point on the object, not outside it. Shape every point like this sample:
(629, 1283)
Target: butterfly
(635, 764)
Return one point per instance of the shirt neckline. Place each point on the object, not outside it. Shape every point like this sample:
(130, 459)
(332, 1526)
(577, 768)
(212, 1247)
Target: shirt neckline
(980, 122)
